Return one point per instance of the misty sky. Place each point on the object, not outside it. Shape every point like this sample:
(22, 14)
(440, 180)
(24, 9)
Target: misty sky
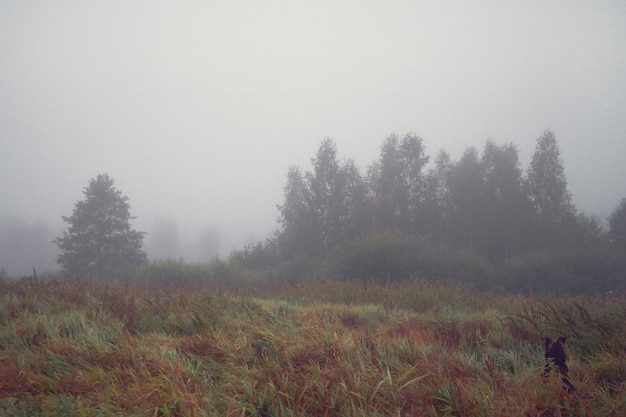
(198, 108)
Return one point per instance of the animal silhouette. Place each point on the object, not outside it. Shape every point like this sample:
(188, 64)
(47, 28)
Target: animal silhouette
(556, 359)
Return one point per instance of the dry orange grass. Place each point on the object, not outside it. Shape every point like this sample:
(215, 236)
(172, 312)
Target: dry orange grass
(321, 349)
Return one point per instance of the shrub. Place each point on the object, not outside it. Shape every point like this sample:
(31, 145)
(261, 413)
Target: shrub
(180, 273)
(261, 255)
(536, 273)
(378, 257)
(466, 267)
(566, 272)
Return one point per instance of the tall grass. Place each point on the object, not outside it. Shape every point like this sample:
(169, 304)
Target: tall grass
(90, 348)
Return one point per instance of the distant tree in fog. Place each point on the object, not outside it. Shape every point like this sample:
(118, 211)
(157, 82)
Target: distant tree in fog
(399, 185)
(617, 225)
(590, 232)
(297, 235)
(547, 189)
(163, 241)
(506, 204)
(326, 202)
(24, 247)
(100, 240)
(438, 200)
(322, 208)
(208, 245)
(354, 213)
(468, 202)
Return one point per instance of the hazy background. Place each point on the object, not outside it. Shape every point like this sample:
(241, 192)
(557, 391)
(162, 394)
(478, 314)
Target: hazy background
(197, 108)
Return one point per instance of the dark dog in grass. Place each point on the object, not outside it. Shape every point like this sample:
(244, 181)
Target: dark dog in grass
(555, 359)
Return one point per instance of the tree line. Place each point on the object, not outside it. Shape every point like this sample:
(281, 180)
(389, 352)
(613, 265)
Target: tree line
(481, 203)
(480, 219)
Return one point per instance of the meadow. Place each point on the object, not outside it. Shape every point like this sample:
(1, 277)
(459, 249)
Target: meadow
(315, 348)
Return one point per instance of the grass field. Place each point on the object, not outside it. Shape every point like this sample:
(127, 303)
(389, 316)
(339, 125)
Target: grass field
(86, 348)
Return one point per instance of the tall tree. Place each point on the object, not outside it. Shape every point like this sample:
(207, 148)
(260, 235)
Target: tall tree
(324, 200)
(414, 160)
(208, 245)
(505, 201)
(354, 214)
(323, 208)
(297, 236)
(617, 225)
(336, 193)
(439, 200)
(24, 247)
(468, 201)
(547, 190)
(590, 232)
(163, 242)
(399, 184)
(100, 240)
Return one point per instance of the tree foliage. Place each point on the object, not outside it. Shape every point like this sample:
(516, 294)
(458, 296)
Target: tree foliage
(208, 245)
(326, 201)
(617, 225)
(438, 200)
(100, 241)
(468, 201)
(479, 209)
(547, 189)
(164, 240)
(24, 247)
(506, 205)
(323, 207)
(399, 184)
(295, 217)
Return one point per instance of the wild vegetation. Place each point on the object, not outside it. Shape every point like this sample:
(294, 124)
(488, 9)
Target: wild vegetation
(317, 347)
(399, 293)
(481, 220)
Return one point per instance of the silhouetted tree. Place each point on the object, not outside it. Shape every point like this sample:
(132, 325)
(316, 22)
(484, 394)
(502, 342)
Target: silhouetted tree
(505, 204)
(163, 242)
(297, 235)
(325, 195)
(24, 247)
(468, 199)
(324, 208)
(438, 205)
(208, 245)
(100, 240)
(354, 214)
(590, 232)
(547, 189)
(399, 184)
(617, 225)
(336, 194)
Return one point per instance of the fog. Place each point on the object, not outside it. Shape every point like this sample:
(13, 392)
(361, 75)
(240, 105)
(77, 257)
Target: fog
(197, 108)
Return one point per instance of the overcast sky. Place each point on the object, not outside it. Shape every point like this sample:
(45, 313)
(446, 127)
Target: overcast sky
(198, 108)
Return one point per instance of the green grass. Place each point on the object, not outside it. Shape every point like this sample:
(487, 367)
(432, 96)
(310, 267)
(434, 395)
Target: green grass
(85, 348)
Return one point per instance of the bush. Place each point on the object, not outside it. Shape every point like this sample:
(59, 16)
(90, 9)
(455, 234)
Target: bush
(180, 273)
(566, 272)
(258, 256)
(379, 257)
(595, 271)
(466, 267)
(536, 273)
(295, 270)
(387, 258)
